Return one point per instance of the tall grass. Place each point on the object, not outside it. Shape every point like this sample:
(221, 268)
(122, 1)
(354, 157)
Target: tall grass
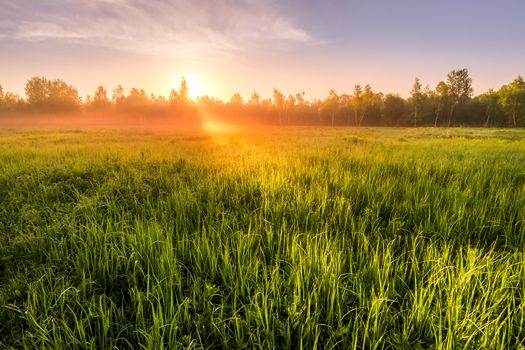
(295, 238)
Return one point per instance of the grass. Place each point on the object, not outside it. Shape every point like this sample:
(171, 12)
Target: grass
(294, 238)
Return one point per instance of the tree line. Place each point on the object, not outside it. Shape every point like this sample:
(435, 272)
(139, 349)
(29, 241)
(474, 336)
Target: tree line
(450, 103)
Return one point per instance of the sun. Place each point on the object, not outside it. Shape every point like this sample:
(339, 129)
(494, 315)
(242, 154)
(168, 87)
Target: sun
(196, 88)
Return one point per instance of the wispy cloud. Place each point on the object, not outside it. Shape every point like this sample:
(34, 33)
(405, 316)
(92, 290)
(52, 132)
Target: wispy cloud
(179, 28)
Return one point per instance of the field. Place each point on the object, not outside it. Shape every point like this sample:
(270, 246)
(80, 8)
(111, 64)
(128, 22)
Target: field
(351, 238)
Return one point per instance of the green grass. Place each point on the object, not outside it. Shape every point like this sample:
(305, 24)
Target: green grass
(294, 238)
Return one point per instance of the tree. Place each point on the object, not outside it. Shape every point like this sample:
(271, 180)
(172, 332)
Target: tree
(459, 89)
(51, 94)
(182, 95)
(174, 97)
(136, 100)
(182, 102)
(184, 91)
(290, 102)
(441, 96)
(416, 98)
(37, 91)
(63, 96)
(237, 100)
(513, 99)
(299, 98)
(490, 102)
(345, 108)
(158, 99)
(331, 104)
(394, 108)
(279, 101)
(255, 99)
(371, 105)
(11, 101)
(118, 95)
(100, 98)
(357, 102)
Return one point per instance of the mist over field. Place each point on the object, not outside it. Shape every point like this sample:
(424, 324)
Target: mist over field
(450, 104)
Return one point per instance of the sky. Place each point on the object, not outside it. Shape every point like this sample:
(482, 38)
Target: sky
(227, 46)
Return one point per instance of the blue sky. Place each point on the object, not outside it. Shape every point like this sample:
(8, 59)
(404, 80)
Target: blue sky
(225, 46)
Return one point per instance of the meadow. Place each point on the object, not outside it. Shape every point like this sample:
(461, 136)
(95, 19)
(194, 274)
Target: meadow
(314, 238)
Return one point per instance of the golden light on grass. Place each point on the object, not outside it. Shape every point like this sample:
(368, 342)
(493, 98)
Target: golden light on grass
(216, 127)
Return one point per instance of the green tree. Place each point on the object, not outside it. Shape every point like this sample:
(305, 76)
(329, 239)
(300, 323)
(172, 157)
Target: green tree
(63, 95)
(345, 108)
(513, 99)
(12, 102)
(37, 91)
(357, 103)
(459, 90)
(51, 94)
(490, 103)
(371, 105)
(417, 96)
(394, 109)
(331, 105)
(441, 97)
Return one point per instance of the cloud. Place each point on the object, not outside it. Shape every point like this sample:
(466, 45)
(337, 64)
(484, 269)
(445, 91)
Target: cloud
(45, 30)
(178, 27)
